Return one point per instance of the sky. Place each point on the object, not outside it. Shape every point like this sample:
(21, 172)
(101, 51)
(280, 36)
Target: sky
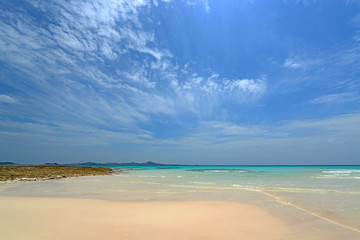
(180, 81)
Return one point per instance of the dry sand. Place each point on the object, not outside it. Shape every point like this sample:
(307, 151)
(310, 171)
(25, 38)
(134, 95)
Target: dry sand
(51, 218)
(63, 218)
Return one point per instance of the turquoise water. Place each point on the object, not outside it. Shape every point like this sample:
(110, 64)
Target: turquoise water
(342, 179)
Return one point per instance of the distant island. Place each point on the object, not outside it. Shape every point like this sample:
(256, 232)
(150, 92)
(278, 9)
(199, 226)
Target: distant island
(7, 163)
(149, 163)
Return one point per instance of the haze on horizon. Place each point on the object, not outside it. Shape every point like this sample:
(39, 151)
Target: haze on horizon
(175, 81)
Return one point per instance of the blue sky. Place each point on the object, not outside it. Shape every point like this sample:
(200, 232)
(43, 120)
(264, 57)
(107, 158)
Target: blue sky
(192, 82)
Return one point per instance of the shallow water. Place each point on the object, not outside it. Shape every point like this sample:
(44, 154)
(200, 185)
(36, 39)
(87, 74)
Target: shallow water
(332, 192)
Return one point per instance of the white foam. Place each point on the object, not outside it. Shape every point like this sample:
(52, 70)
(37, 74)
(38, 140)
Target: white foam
(224, 171)
(345, 171)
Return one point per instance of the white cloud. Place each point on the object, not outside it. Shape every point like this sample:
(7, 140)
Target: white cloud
(350, 56)
(205, 3)
(239, 87)
(305, 2)
(214, 96)
(336, 98)
(304, 62)
(255, 87)
(293, 63)
(7, 99)
(217, 85)
(231, 129)
(138, 75)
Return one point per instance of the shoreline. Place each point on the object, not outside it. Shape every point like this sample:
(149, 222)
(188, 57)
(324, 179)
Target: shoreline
(307, 211)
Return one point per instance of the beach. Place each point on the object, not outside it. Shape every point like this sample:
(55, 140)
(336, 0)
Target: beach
(126, 206)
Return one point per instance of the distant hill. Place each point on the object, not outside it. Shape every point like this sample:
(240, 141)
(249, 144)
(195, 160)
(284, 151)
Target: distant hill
(7, 163)
(52, 164)
(149, 163)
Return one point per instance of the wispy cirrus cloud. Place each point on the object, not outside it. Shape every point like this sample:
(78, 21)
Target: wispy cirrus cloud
(205, 96)
(7, 99)
(293, 63)
(63, 60)
(205, 3)
(97, 63)
(301, 62)
(336, 98)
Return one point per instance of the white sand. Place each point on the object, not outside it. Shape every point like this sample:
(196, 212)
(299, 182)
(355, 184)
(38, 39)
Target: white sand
(55, 218)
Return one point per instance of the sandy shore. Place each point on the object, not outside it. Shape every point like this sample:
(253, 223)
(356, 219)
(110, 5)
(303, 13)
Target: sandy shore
(62, 218)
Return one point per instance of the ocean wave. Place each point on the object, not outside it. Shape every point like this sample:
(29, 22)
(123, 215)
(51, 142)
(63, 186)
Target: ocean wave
(220, 170)
(280, 190)
(344, 171)
(338, 177)
(152, 176)
(340, 174)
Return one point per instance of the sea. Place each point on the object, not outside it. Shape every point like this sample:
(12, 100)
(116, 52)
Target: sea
(330, 192)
